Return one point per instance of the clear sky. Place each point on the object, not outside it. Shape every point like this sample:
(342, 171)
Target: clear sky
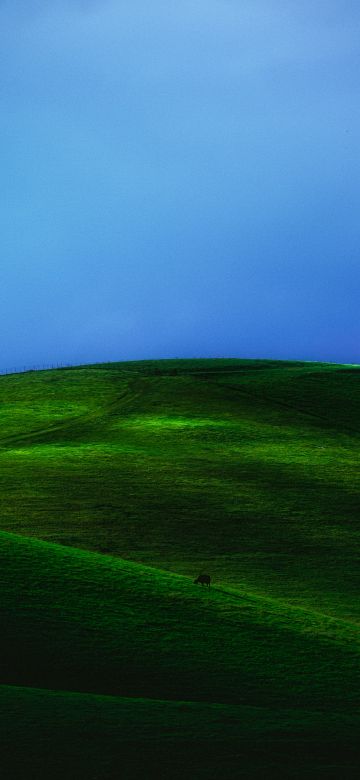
(179, 179)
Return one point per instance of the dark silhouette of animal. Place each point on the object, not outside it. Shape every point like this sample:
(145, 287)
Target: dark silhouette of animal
(203, 579)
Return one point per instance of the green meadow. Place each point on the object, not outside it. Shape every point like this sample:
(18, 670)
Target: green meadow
(120, 483)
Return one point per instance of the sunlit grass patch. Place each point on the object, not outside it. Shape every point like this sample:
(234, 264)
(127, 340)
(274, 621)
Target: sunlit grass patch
(161, 422)
(60, 452)
(45, 409)
(26, 417)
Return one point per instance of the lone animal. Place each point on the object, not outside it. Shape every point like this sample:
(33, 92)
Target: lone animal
(203, 579)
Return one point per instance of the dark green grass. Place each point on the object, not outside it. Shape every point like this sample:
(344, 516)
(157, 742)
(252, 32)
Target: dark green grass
(107, 737)
(266, 682)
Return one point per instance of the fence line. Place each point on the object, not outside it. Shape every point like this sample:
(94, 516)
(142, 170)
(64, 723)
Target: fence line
(38, 367)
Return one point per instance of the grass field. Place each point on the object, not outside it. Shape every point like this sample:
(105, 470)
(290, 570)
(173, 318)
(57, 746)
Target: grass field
(120, 483)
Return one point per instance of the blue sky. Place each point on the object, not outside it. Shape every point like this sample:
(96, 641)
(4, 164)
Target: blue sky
(179, 179)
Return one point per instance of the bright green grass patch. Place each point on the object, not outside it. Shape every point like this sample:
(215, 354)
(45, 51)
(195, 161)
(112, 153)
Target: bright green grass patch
(57, 452)
(31, 417)
(159, 421)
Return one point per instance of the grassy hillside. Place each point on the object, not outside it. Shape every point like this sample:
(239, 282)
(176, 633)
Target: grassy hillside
(249, 469)
(119, 483)
(78, 621)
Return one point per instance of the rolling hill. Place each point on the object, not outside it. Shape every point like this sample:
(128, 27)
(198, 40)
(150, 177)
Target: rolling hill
(120, 483)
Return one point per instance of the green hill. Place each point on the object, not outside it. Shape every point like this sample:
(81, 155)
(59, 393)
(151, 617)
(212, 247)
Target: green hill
(134, 477)
(78, 621)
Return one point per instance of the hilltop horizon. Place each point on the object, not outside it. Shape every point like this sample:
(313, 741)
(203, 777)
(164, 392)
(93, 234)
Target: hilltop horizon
(46, 366)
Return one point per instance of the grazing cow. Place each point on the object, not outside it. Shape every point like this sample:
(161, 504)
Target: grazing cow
(203, 579)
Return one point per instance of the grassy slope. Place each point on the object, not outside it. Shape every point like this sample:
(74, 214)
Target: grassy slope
(210, 645)
(246, 468)
(74, 620)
